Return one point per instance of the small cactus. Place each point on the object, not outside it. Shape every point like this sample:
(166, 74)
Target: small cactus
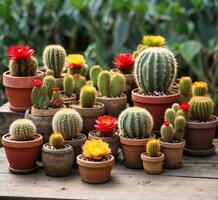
(153, 148)
(179, 124)
(56, 101)
(167, 132)
(49, 72)
(175, 107)
(76, 63)
(94, 73)
(56, 140)
(118, 83)
(104, 82)
(199, 88)
(22, 130)
(170, 115)
(87, 96)
(49, 82)
(78, 82)
(68, 85)
(185, 87)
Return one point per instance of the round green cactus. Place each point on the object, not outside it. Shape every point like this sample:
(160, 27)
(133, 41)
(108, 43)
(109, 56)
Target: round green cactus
(49, 82)
(68, 122)
(87, 96)
(22, 130)
(78, 82)
(118, 84)
(170, 115)
(135, 122)
(153, 148)
(185, 87)
(167, 132)
(94, 73)
(104, 82)
(175, 107)
(199, 88)
(56, 140)
(68, 85)
(49, 72)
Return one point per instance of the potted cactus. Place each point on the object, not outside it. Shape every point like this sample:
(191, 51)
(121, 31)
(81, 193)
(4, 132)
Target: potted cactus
(155, 72)
(105, 129)
(135, 125)
(172, 133)
(96, 162)
(94, 72)
(18, 81)
(111, 87)
(57, 157)
(153, 158)
(68, 122)
(201, 128)
(78, 82)
(185, 88)
(22, 146)
(88, 108)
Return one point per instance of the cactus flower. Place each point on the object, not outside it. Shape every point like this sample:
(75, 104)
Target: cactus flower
(153, 40)
(166, 123)
(20, 52)
(184, 106)
(200, 84)
(37, 83)
(124, 61)
(75, 61)
(56, 88)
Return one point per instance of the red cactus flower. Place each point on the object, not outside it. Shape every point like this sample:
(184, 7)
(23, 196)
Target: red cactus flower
(124, 61)
(56, 88)
(166, 123)
(20, 52)
(184, 106)
(106, 124)
(37, 83)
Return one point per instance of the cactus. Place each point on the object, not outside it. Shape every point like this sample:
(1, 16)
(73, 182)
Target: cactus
(179, 124)
(68, 122)
(49, 82)
(175, 107)
(22, 130)
(78, 82)
(54, 58)
(104, 81)
(170, 115)
(94, 73)
(49, 72)
(40, 98)
(84, 70)
(68, 85)
(56, 140)
(87, 96)
(201, 108)
(56, 101)
(185, 87)
(118, 83)
(167, 132)
(135, 122)
(153, 40)
(199, 88)
(153, 148)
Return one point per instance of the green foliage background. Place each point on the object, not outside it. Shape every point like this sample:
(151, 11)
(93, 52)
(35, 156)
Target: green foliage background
(102, 28)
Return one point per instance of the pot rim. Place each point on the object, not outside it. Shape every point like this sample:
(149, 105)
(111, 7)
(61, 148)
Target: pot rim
(77, 142)
(147, 158)
(113, 138)
(67, 149)
(135, 142)
(44, 112)
(177, 145)
(122, 97)
(38, 141)
(92, 164)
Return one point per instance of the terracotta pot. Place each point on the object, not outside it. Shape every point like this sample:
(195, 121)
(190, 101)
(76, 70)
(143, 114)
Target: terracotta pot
(18, 90)
(43, 124)
(132, 150)
(156, 105)
(95, 172)
(113, 141)
(113, 106)
(199, 137)
(152, 165)
(58, 162)
(89, 115)
(22, 155)
(173, 154)
(44, 113)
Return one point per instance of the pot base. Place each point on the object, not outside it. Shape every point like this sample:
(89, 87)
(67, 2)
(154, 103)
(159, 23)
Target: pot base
(22, 171)
(18, 109)
(200, 153)
(173, 167)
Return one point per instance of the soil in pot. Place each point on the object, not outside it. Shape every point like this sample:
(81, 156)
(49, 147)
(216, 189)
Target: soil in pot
(95, 172)
(156, 105)
(152, 165)
(173, 154)
(22, 155)
(58, 162)
(113, 141)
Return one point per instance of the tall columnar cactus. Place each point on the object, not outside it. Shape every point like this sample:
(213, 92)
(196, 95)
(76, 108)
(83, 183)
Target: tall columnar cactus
(68, 85)
(179, 125)
(185, 87)
(54, 58)
(87, 96)
(56, 140)
(153, 148)
(118, 83)
(22, 130)
(170, 115)
(40, 98)
(199, 88)
(167, 132)
(202, 108)
(94, 73)
(68, 122)
(104, 82)
(49, 82)
(135, 122)
(78, 82)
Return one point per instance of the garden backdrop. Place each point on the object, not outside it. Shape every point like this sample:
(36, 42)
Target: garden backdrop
(100, 29)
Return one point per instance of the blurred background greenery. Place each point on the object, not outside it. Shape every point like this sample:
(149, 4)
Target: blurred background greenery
(100, 29)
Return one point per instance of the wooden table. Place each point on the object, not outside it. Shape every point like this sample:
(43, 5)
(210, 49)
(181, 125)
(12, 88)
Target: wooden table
(198, 179)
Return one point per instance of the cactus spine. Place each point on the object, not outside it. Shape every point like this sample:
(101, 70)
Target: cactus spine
(78, 82)
(185, 87)
(56, 140)
(22, 130)
(153, 148)
(87, 96)
(68, 122)
(40, 98)
(118, 83)
(135, 122)
(199, 88)
(94, 73)
(68, 85)
(49, 82)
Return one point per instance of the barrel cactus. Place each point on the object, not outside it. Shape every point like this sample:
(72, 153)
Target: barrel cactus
(87, 96)
(199, 88)
(56, 140)
(68, 85)
(135, 122)
(49, 82)
(22, 130)
(185, 87)
(78, 82)
(68, 122)
(94, 73)
(153, 148)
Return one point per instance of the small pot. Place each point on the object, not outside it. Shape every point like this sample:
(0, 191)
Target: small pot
(173, 154)
(22, 155)
(132, 150)
(68, 100)
(89, 115)
(19, 89)
(156, 105)
(152, 165)
(113, 106)
(199, 137)
(95, 172)
(113, 141)
(44, 113)
(58, 162)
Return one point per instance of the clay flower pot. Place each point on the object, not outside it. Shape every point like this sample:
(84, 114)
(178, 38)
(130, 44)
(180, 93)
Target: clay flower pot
(58, 162)
(152, 165)
(173, 154)
(22, 155)
(68, 100)
(89, 115)
(132, 150)
(113, 141)
(95, 172)
(18, 90)
(156, 105)
(113, 106)
(199, 137)
(45, 112)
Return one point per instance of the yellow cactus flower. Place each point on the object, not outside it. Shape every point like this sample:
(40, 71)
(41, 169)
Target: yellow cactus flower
(200, 84)
(75, 61)
(96, 149)
(153, 40)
